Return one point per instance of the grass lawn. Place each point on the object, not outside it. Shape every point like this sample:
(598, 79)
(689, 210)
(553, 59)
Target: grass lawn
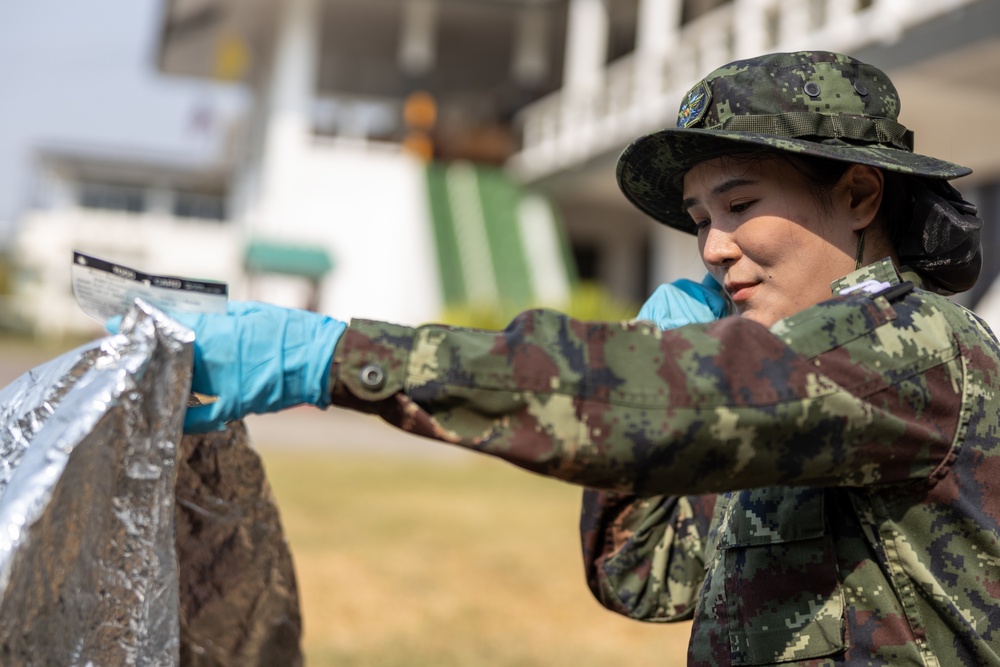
(405, 562)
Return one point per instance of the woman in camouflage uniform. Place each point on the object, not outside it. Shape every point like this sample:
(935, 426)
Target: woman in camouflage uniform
(860, 531)
(812, 481)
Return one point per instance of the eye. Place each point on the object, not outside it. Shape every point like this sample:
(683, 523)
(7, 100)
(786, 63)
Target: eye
(740, 207)
(702, 224)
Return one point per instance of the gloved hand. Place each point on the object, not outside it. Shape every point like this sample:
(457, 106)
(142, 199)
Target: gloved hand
(685, 302)
(257, 358)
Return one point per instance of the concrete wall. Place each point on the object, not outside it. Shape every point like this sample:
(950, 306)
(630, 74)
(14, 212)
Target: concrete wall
(151, 243)
(368, 208)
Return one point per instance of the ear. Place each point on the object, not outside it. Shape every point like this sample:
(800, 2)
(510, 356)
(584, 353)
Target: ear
(863, 187)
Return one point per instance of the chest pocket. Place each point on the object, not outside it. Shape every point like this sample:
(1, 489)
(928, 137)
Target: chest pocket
(783, 597)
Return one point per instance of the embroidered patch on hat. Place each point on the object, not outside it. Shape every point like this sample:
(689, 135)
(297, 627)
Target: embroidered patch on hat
(694, 105)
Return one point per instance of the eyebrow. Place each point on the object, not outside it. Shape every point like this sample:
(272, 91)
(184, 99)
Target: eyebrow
(720, 189)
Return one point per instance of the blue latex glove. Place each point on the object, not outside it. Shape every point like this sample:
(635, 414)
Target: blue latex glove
(257, 358)
(685, 302)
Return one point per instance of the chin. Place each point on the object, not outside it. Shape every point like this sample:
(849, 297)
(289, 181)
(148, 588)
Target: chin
(764, 317)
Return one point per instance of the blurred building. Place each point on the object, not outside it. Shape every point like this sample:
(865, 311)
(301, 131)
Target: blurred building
(422, 154)
(378, 133)
(941, 54)
(162, 213)
(554, 89)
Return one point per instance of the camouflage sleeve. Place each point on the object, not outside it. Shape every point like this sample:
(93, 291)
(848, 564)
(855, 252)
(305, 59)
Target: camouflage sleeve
(855, 391)
(645, 557)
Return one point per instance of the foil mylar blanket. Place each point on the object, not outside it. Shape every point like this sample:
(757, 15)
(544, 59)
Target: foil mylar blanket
(123, 542)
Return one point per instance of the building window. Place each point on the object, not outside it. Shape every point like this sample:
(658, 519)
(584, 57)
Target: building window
(200, 206)
(112, 197)
(588, 261)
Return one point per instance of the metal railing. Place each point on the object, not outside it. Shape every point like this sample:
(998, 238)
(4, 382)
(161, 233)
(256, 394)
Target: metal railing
(639, 93)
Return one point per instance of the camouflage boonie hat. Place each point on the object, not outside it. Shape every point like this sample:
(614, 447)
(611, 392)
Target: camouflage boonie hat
(810, 103)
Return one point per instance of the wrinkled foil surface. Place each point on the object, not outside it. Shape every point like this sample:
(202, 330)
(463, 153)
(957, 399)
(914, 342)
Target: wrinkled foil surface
(122, 542)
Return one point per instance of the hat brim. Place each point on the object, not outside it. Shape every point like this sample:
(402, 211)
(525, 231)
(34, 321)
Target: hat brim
(650, 169)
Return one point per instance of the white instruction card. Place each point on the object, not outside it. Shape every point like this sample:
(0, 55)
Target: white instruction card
(105, 289)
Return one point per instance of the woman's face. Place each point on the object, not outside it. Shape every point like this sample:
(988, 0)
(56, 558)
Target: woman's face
(765, 236)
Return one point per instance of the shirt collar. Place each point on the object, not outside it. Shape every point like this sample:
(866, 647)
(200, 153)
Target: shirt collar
(874, 278)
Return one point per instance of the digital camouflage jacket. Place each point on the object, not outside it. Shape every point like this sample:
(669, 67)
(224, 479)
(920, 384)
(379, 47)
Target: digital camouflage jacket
(853, 446)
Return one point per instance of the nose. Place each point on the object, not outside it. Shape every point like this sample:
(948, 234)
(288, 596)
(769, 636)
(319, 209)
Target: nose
(719, 247)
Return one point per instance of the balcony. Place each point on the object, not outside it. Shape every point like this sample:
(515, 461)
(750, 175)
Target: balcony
(640, 92)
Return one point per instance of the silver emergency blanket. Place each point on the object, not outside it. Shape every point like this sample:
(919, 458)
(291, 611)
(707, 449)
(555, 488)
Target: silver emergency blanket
(122, 542)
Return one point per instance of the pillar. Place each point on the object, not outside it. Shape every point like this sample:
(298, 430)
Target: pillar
(751, 37)
(288, 124)
(659, 23)
(531, 59)
(418, 36)
(586, 44)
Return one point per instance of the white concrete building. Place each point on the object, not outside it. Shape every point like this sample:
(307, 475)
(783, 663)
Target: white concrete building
(576, 80)
(943, 56)
(143, 210)
(332, 159)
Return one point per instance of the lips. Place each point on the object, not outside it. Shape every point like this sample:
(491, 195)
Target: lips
(740, 291)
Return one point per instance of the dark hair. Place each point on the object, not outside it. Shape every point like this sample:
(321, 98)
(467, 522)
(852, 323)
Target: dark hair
(895, 209)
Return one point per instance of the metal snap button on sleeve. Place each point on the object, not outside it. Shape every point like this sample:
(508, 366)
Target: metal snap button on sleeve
(372, 377)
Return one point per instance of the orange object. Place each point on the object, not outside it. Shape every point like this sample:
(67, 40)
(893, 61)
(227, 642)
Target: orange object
(420, 111)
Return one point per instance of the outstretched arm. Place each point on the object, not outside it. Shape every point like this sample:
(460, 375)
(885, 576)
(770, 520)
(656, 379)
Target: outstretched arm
(825, 399)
